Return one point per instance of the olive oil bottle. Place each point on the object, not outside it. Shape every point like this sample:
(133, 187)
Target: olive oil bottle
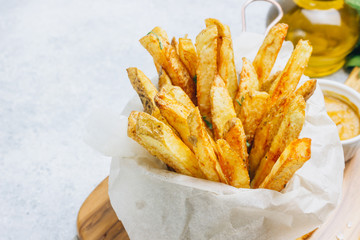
(332, 28)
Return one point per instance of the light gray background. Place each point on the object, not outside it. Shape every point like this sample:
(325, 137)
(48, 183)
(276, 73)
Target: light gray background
(60, 60)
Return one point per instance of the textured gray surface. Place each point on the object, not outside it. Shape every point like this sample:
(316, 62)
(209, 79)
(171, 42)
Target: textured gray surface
(60, 61)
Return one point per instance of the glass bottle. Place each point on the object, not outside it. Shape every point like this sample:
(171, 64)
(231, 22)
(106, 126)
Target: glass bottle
(332, 28)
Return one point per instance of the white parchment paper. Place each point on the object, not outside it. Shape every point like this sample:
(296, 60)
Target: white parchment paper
(154, 203)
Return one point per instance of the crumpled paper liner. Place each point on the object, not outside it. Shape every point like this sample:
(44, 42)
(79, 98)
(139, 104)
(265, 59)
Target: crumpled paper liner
(154, 203)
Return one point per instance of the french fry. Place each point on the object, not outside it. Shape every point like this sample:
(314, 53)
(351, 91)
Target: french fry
(267, 83)
(289, 130)
(164, 78)
(206, 48)
(287, 81)
(232, 165)
(188, 56)
(131, 130)
(179, 95)
(226, 62)
(293, 158)
(222, 108)
(252, 108)
(203, 148)
(266, 132)
(248, 82)
(307, 89)
(235, 136)
(250, 104)
(175, 113)
(175, 44)
(248, 77)
(146, 91)
(160, 141)
(165, 55)
(266, 56)
(160, 33)
(144, 88)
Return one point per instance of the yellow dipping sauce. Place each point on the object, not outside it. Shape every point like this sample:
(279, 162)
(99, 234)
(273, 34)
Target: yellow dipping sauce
(344, 114)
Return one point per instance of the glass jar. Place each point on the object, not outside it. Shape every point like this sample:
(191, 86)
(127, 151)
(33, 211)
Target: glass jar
(332, 28)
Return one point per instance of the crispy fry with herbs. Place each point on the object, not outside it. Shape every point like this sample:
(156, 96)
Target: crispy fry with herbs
(203, 148)
(165, 55)
(250, 104)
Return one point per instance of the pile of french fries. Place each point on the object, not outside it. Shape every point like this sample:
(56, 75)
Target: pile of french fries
(205, 122)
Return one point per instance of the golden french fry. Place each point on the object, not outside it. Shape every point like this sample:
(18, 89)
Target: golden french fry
(266, 132)
(144, 88)
(179, 95)
(203, 148)
(188, 56)
(248, 78)
(165, 55)
(226, 62)
(175, 44)
(222, 108)
(175, 113)
(160, 33)
(160, 141)
(131, 130)
(252, 108)
(146, 91)
(289, 130)
(227, 66)
(293, 157)
(235, 136)
(307, 89)
(232, 165)
(266, 56)
(222, 29)
(267, 83)
(287, 81)
(164, 78)
(206, 47)
(250, 104)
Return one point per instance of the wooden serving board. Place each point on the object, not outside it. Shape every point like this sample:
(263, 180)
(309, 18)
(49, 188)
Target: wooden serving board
(97, 220)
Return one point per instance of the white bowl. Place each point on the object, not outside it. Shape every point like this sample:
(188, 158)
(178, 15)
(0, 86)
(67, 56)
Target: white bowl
(351, 145)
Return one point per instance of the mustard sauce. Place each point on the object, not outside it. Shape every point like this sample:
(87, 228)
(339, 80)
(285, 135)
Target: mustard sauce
(344, 114)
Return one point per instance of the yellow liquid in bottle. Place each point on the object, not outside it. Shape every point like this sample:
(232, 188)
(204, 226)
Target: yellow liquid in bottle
(332, 28)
